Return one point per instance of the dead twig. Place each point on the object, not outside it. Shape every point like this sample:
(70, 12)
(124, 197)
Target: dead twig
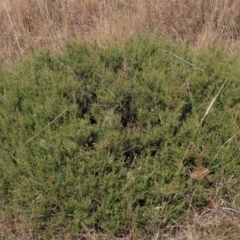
(184, 60)
(45, 127)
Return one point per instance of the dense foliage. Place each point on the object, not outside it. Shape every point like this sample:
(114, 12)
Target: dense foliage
(107, 140)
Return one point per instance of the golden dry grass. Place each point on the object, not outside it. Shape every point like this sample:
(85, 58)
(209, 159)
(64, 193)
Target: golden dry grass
(27, 25)
(221, 221)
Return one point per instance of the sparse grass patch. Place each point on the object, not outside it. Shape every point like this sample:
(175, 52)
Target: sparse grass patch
(112, 142)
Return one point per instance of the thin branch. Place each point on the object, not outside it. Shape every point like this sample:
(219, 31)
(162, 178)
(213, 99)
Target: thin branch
(230, 139)
(130, 149)
(210, 105)
(45, 127)
(184, 60)
(200, 124)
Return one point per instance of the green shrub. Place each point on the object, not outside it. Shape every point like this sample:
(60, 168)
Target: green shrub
(104, 139)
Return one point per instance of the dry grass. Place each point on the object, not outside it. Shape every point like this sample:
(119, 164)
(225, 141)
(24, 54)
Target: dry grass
(211, 224)
(27, 25)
